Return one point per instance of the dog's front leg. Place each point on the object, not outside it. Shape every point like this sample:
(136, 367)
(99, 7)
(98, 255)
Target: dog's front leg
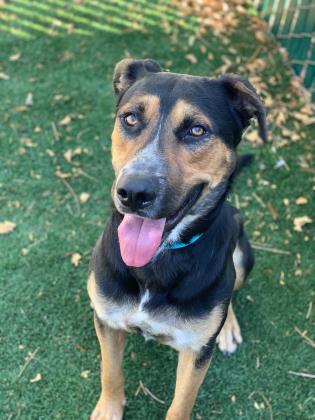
(191, 370)
(110, 405)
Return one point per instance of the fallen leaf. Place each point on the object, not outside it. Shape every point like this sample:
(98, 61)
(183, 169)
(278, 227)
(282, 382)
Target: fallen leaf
(191, 58)
(299, 222)
(37, 378)
(65, 121)
(22, 108)
(6, 227)
(75, 259)
(210, 56)
(4, 76)
(29, 99)
(63, 175)
(261, 36)
(26, 141)
(85, 374)
(84, 197)
(15, 57)
(69, 154)
(301, 200)
(253, 136)
(305, 118)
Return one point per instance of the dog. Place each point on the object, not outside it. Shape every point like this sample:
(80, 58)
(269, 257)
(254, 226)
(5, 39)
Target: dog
(173, 249)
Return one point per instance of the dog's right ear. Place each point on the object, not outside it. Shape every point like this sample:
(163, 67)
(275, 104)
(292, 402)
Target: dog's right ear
(128, 71)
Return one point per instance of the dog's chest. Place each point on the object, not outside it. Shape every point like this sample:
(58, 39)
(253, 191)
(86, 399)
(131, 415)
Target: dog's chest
(166, 327)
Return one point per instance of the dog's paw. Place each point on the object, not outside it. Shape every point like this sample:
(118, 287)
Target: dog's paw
(230, 336)
(108, 410)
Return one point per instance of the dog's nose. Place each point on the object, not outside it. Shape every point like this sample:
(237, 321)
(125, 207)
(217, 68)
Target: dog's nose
(136, 193)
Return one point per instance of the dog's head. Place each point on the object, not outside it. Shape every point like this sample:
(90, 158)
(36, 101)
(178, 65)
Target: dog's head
(173, 148)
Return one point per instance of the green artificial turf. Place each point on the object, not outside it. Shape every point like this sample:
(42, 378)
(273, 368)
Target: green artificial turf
(43, 300)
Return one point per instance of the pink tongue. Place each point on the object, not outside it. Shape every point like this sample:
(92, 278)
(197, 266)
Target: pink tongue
(139, 239)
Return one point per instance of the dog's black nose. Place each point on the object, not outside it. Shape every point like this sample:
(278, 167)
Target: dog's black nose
(136, 192)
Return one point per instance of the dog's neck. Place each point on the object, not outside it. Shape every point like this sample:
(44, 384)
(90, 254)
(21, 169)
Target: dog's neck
(200, 218)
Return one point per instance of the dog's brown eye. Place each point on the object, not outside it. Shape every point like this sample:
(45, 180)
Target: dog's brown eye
(130, 119)
(197, 131)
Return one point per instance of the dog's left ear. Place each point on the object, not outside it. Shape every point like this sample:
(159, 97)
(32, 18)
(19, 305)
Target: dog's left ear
(129, 70)
(245, 102)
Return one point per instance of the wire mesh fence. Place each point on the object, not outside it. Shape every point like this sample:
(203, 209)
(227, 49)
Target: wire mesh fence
(293, 24)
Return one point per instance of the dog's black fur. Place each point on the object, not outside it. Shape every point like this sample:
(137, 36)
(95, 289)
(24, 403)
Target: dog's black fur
(195, 279)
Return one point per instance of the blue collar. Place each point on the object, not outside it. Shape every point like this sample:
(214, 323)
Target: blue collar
(177, 245)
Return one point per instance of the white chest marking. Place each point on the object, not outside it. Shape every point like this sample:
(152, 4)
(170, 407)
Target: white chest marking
(166, 327)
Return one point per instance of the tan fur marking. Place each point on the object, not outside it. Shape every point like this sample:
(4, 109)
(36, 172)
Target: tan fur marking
(210, 162)
(112, 399)
(188, 381)
(183, 109)
(239, 268)
(123, 150)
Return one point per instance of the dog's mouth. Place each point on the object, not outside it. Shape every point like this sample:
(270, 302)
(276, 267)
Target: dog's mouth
(190, 199)
(140, 238)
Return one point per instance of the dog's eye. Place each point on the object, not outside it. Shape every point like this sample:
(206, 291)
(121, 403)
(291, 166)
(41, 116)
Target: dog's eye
(197, 131)
(130, 119)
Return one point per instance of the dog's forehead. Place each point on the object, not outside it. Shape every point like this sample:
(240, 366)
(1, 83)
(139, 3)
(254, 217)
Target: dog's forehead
(170, 88)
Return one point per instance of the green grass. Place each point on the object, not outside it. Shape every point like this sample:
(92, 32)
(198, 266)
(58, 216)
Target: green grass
(43, 300)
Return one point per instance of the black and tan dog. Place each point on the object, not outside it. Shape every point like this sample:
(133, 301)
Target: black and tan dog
(174, 249)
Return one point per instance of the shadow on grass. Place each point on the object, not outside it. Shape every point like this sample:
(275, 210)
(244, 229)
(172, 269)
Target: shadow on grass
(27, 18)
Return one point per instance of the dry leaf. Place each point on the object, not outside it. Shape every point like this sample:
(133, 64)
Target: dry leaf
(210, 56)
(191, 58)
(261, 36)
(37, 378)
(301, 200)
(84, 197)
(75, 259)
(299, 222)
(69, 154)
(6, 227)
(22, 108)
(302, 117)
(85, 374)
(63, 175)
(26, 141)
(4, 76)
(253, 136)
(15, 57)
(65, 121)
(29, 99)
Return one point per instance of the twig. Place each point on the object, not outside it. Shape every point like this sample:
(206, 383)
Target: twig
(28, 361)
(146, 391)
(309, 310)
(69, 188)
(237, 201)
(306, 339)
(55, 131)
(273, 211)
(35, 243)
(82, 172)
(265, 401)
(254, 55)
(304, 375)
(270, 249)
(259, 200)
(29, 208)
(267, 404)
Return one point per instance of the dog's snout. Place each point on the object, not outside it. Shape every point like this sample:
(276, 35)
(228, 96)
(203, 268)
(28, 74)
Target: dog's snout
(136, 192)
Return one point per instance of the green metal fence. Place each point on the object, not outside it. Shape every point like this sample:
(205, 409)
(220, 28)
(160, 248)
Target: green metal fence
(293, 24)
